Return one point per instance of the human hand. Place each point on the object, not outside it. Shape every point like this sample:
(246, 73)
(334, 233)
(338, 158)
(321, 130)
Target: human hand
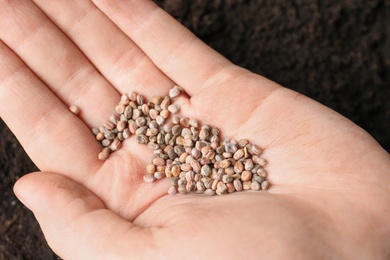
(329, 194)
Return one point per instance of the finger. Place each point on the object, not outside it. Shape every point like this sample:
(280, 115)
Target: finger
(173, 48)
(76, 223)
(116, 56)
(56, 60)
(54, 138)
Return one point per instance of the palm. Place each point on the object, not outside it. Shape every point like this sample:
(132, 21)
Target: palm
(315, 155)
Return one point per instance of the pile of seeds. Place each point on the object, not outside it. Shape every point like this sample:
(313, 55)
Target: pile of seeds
(190, 154)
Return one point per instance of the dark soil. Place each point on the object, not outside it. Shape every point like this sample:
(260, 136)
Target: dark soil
(336, 52)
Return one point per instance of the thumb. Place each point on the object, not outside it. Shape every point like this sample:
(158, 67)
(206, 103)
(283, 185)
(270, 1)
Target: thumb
(76, 223)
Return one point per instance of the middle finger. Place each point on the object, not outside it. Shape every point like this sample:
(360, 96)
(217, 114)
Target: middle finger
(115, 55)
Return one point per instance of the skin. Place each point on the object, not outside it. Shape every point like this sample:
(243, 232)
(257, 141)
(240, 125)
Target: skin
(329, 196)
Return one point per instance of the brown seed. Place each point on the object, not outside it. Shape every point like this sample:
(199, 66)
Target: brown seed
(142, 139)
(158, 161)
(246, 176)
(242, 143)
(246, 185)
(182, 189)
(225, 163)
(141, 131)
(249, 164)
(164, 113)
(185, 167)
(230, 187)
(215, 131)
(157, 100)
(174, 108)
(261, 172)
(204, 134)
(221, 188)
(128, 113)
(119, 109)
(256, 149)
(132, 126)
(126, 133)
(190, 175)
(205, 171)
(193, 122)
(215, 183)
(165, 103)
(237, 185)
(265, 185)
(140, 100)
(175, 91)
(106, 142)
(150, 168)
(100, 136)
(121, 126)
(74, 109)
(227, 178)
(109, 125)
(262, 162)
(238, 154)
(160, 120)
(153, 146)
(200, 186)
(175, 170)
(116, 144)
(136, 113)
(172, 190)
(159, 175)
(184, 121)
(153, 113)
(103, 155)
(145, 109)
(133, 96)
(195, 166)
(149, 178)
(255, 185)
(209, 192)
(188, 143)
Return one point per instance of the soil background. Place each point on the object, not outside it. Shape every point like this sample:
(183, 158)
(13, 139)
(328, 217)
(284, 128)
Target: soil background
(336, 52)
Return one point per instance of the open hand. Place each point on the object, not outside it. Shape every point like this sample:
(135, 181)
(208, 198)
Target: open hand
(329, 194)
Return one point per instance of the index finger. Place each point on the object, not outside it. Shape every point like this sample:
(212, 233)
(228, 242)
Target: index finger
(173, 48)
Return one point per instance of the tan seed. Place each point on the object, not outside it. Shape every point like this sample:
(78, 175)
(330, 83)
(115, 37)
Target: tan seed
(237, 185)
(174, 108)
(172, 190)
(246, 176)
(255, 185)
(74, 109)
(246, 185)
(116, 144)
(150, 168)
(165, 103)
(209, 192)
(175, 91)
(158, 161)
(149, 178)
(265, 185)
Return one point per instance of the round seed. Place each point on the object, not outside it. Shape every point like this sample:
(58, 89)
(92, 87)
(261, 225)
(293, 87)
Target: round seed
(159, 175)
(103, 155)
(119, 109)
(174, 108)
(246, 185)
(237, 185)
(246, 176)
(115, 145)
(238, 154)
(205, 170)
(74, 109)
(262, 162)
(249, 164)
(165, 103)
(175, 91)
(172, 190)
(265, 185)
(149, 178)
(256, 149)
(182, 189)
(109, 125)
(100, 136)
(121, 126)
(158, 161)
(106, 142)
(221, 188)
(209, 192)
(255, 185)
(227, 178)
